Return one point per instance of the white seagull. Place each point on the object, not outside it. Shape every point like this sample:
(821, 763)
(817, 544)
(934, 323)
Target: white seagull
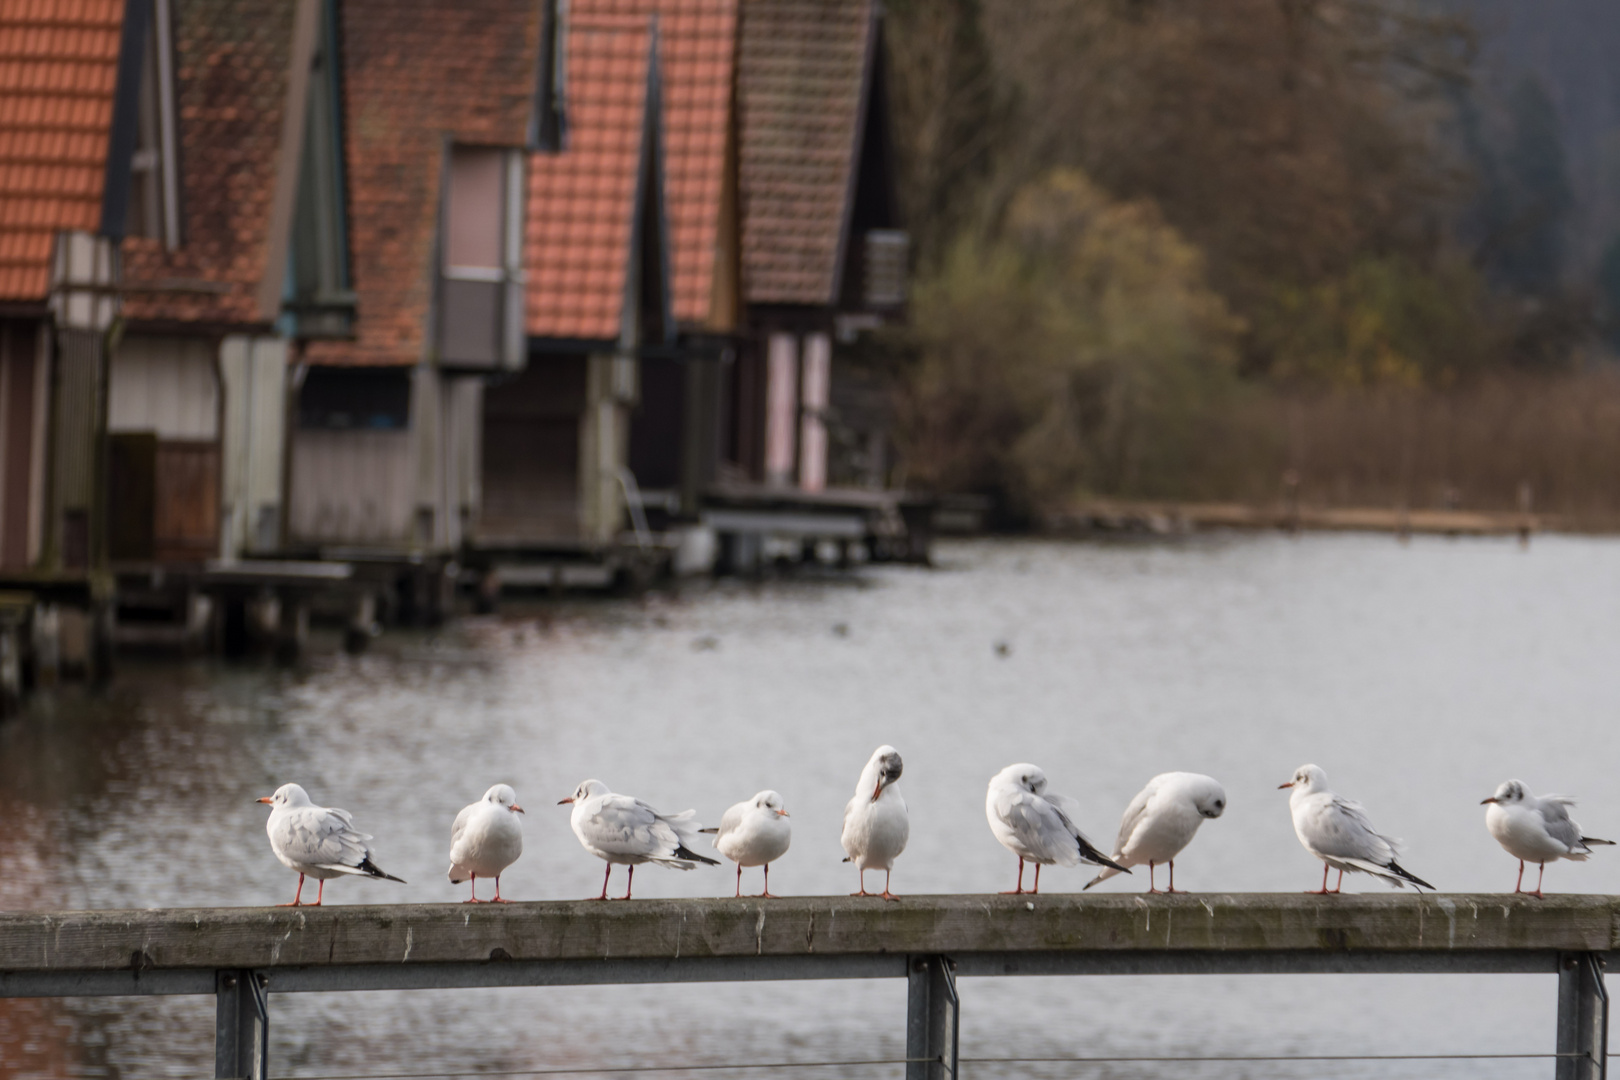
(624, 830)
(1535, 829)
(754, 833)
(316, 841)
(1035, 826)
(876, 826)
(486, 838)
(1162, 820)
(1338, 832)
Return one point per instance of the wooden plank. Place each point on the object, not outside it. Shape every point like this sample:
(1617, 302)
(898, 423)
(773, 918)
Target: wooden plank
(1053, 924)
(185, 516)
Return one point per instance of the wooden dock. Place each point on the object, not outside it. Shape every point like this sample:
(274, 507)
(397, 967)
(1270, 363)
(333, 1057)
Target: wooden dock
(1130, 516)
(244, 955)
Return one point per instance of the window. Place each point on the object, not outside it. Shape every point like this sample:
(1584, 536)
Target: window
(317, 298)
(481, 295)
(154, 205)
(355, 399)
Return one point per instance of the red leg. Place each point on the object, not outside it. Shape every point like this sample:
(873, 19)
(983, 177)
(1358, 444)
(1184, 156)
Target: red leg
(474, 899)
(605, 881)
(320, 893)
(1323, 890)
(739, 879)
(1172, 887)
(1037, 878)
(863, 891)
(886, 894)
(628, 882)
(767, 893)
(1338, 886)
(1020, 889)
(296, 895)
(1151, 886)
(1537, 893)
(1517, 884)
(498, 899)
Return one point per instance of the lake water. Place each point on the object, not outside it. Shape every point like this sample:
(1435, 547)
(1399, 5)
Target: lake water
(1418, 675)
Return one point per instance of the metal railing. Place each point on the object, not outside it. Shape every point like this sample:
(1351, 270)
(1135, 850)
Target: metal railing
(244, 956)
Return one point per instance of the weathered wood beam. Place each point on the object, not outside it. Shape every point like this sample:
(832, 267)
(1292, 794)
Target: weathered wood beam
(1001, 929)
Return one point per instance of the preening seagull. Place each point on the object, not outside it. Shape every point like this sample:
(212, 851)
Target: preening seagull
(624, 830)
(754, 832)
(316, 841)
(1535, 829)
(1338, 832)
(486, 838)
(876, 825)
(1162, 820)
(1036, 826)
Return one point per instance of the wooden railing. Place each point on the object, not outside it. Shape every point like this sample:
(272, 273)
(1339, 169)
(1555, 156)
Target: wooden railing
(245, 955)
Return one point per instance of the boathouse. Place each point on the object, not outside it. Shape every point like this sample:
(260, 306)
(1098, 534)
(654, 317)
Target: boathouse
(556, 435)
(439, 114)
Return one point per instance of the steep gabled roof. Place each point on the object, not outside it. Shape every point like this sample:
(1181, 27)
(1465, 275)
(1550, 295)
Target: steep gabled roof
(587, 221)
(233, 62)
(58, 68)
(697, 50)
(802, 82)
(418, 75)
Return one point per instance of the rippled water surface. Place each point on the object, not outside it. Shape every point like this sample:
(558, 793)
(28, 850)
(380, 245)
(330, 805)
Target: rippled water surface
(1418, 676)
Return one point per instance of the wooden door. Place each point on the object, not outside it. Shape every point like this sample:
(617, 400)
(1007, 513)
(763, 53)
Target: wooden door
(185, 512)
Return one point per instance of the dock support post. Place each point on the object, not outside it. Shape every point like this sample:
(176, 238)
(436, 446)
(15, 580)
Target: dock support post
(1583, 1018)
(931, 1018)
(293, 632)
(241, 1025)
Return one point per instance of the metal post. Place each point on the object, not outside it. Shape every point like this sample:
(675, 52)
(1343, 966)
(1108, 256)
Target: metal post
(931, 1018)
(1583, 1018)
(241, 1025)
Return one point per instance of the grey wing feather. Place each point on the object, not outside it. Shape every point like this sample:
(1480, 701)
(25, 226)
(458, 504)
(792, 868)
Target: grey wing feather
(1350, 834)
(460, 825)
(1555, 816)
(325, 838)
(730, 821)
(1133, 816)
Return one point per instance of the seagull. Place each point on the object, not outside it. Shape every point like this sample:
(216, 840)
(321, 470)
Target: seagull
(1035, 826)
(486, 838)
(317, 841)
(624, 830)
(1162, 820)
(1535, 829)
(875, 823)
(754, 833)
(1337, 831)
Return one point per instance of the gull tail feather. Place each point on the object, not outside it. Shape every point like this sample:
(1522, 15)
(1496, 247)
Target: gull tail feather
(711, 830)
(1104, 876)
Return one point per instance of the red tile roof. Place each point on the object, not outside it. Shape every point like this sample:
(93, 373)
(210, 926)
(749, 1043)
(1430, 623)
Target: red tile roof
(231, 64)
(697, 50)
(58, 64)
(582, 201)
(801, 69)
(419, 74)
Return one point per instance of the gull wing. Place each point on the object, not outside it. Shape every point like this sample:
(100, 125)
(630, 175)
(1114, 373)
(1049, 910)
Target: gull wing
(318, 836)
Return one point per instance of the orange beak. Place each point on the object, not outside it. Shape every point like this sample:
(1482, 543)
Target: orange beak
(516, 809)
(266, 799)
(567, 800)
(1482, 802)
(782, 813)
(877, 791)
(1281, 786)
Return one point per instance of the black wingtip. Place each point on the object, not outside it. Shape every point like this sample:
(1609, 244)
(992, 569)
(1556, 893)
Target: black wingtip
(1395, 868)
(1092, 855)
(711, 832)
(377, 872)
(681, 850)
(1595, 840)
